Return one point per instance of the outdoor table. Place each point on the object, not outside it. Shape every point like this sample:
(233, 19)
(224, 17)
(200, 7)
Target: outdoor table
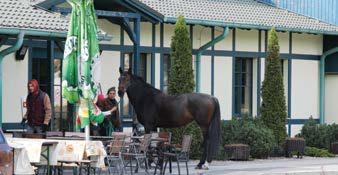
(29, 151)
(48, 145)
(65, 138)
(26, 151)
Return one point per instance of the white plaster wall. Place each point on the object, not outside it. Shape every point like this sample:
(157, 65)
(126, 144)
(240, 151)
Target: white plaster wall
(307, 44)
(295, 129)
(283, 41)
(262, 69)
(169, 30)
(146, 34)
(254, 87)
(201, 36)
(225, 44)
(111, 29)
(158, 35)
(127, 40)
(157, 70)
(247, 40)
(331, 96)
(205, 74)
(223, 85)
(110, 63)
(15, 78)
(305, 89)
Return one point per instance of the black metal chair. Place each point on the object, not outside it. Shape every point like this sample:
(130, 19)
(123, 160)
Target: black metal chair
(139, 154)
(157, 151)
(114, 157)
(181, 153)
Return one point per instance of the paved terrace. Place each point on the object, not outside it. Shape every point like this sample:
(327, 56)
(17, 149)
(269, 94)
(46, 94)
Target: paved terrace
(275, 166)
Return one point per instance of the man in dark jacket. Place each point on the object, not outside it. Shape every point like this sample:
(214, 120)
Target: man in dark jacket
(39, 110)
(110, 104)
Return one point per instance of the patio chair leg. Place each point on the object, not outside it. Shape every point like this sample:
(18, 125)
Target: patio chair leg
(122, 166)
(146, 165)
(165, 165)
(178, 167)
(186, 165)
(131, 166)
(170, 167)
(155, 169)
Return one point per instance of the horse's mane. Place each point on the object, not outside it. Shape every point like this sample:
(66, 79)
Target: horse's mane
(146, 85)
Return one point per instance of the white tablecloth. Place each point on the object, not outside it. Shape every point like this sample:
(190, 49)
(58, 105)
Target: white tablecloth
(29, 151)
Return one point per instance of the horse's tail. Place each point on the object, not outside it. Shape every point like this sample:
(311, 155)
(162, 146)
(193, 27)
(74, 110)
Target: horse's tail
(214, 131)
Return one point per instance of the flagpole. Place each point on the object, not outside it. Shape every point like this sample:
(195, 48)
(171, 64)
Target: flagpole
(87, 132)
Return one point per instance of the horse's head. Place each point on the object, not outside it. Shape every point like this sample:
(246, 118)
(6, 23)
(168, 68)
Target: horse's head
(124, 81)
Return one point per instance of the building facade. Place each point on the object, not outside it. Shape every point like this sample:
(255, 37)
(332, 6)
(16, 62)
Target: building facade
(231, 69)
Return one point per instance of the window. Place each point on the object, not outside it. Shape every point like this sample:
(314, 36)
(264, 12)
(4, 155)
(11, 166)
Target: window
(143, 70)
(145, 67)
(166, 70)
(243, 86)
(128, 61)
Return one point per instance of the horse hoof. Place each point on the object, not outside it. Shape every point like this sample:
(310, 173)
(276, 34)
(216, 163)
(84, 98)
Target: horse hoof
(198, 167)
(205, 168)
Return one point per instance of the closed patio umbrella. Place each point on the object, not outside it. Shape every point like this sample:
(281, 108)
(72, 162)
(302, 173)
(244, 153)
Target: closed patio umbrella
(80, 63)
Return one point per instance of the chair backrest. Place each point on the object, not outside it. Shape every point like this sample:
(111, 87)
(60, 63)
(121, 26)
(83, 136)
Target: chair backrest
(75, 134)
(54, 134)
(117, 144)
(145, 143)
(165, 135)
(186, 143)
(125, 134)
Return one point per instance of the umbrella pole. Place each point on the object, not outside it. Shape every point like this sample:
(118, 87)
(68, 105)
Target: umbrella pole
(87, 132)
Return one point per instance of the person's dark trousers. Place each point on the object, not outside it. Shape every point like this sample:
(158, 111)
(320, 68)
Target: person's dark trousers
(34, 129)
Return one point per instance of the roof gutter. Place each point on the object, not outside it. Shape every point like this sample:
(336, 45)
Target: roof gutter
(247, 26)
(200, 52)
(3, 53)
(37, 33)
(322, 83)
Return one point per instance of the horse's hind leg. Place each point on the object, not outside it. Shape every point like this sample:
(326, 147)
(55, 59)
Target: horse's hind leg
(205, 150)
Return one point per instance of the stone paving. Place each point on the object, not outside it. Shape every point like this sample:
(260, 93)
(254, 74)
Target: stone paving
(274, 166)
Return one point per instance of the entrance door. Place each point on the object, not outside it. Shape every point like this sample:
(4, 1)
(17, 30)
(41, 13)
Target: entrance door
(49, 77)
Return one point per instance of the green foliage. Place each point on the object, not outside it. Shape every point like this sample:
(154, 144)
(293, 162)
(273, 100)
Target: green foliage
(319, 135)
(181, 76)
(316, 152)
(251, 132)
(273, 110)
(181, 80)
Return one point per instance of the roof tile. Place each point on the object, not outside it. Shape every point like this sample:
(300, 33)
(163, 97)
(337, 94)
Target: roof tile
(249, 12)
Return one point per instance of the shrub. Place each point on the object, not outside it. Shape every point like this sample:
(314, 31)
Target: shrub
(316, 152)
(181, 80)
(251, 132)
(316, 135)
(319, 135)
(273, 110)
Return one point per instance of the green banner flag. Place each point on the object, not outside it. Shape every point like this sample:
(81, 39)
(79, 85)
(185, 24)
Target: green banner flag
(81, 57)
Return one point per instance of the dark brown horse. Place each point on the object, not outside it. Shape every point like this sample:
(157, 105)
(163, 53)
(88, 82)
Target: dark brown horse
(156, 109)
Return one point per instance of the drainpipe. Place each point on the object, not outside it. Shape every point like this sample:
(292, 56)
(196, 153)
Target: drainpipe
(322, 83)
(200, 52)
(3, 53)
